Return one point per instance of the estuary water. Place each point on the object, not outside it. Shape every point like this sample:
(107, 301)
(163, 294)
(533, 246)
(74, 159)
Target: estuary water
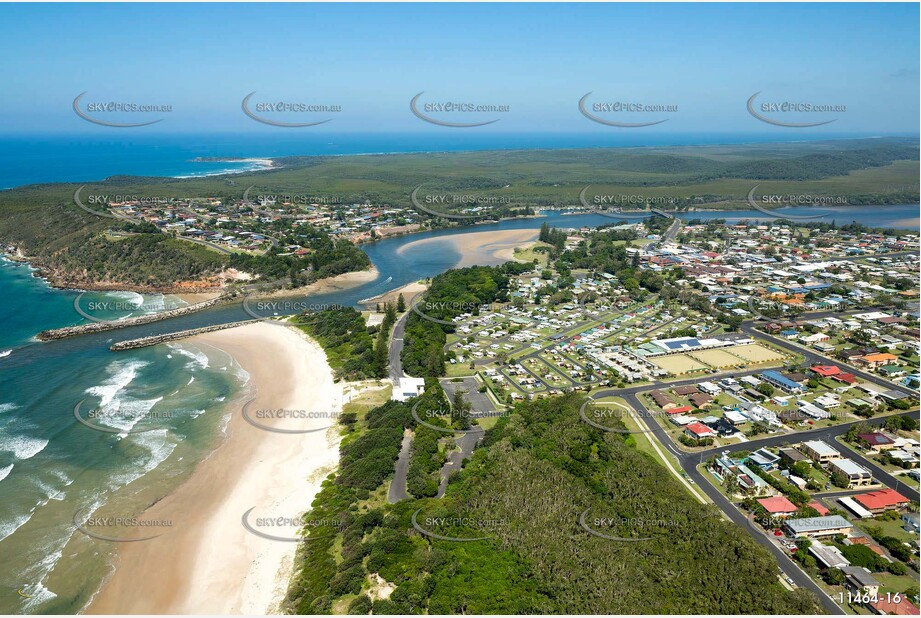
(163, 407)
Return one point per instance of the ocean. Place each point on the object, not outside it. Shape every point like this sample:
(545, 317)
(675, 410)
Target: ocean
(55, 158)
(159, 409)
(163, 408)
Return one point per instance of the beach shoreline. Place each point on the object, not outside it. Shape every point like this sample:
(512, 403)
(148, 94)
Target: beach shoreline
(480, 248)
(336, 283)
(213, 563)
(409, 292)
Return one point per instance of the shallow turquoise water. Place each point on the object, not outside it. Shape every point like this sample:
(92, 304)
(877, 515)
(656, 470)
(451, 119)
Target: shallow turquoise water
(51, 465)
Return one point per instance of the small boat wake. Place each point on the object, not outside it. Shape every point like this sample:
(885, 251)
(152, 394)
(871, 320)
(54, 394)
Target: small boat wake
(382, 284)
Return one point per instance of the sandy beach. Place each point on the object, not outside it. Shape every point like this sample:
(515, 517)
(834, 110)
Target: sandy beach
(344, 281)
(409, 292)
(508, 254)
(192, 298)
(480, 248)
(209, 563)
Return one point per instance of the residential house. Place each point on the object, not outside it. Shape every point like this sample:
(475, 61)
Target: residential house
(857, 475)
(724, 466)
(812, 527)
(819, 507)
(701, 400)
(894, 605)
(874, 361)
(776, 379)
(860, 580)
(764, 459)
(791, 456)
(883, 500)
(778, 506)
(819, 451)
(662, 400)
(828, 556)
(876, 441)
(825, 371)
(698, 431)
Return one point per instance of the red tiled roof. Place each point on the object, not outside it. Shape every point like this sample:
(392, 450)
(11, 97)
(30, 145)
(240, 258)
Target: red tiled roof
(875, 438)
(826, 371)
(879, 357)
(699, 429)
(847, 378)
(680, 410)
(777, 504)
(886, 605)
(881, 499)
(865, 540)
(818, 506)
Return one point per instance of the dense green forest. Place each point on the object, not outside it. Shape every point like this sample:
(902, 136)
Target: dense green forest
(522, 494)
(354, 350)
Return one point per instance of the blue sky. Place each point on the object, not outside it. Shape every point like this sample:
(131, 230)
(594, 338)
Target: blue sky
(538, 59)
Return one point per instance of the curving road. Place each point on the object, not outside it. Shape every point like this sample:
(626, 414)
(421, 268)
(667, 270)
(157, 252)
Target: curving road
(690, 461)
(466, 443)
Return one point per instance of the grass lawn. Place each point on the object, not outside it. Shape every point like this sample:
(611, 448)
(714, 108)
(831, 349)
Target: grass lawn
(529, 254)
(368, 400)
(895, 583)
(459, 370)
(889, 527)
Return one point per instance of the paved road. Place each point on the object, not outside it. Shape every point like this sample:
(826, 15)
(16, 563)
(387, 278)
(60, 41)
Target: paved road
(870, 255)
(672, 231)
(828, 434)
(816, 358)
(479, 402)
(466, 443)
(397, 490)
(395, 363)
(205, 243)
(688, 463)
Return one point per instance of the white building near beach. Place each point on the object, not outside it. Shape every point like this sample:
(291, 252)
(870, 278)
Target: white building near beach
(407, 388)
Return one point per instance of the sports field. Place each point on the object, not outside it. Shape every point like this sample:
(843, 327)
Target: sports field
(755, 353)
(718, 358)
(677, 364)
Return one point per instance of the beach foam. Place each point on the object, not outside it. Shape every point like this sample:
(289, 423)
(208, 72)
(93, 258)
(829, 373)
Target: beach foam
(199, 358)
(122, 374)
(216, 566)
(23, 447)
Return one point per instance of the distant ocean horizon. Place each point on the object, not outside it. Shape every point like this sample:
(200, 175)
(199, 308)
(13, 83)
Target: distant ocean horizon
(33, 159)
